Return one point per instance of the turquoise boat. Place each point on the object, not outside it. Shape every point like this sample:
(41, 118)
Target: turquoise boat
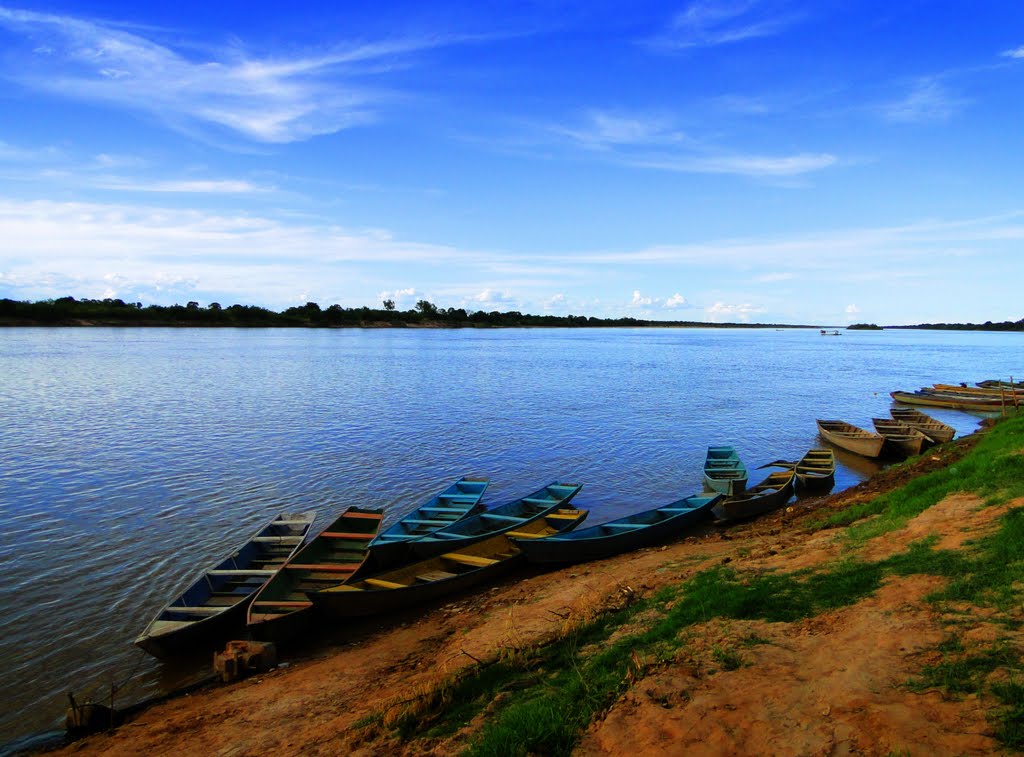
(495, 521)
(391, 546)
(724, 472)
(621, 535)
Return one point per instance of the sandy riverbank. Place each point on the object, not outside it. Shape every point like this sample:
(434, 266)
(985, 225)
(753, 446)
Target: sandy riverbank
(831, 683)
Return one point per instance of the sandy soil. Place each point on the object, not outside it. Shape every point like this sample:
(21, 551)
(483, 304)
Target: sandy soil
(827, 685)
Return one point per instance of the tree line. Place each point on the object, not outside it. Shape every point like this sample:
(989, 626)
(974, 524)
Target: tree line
(68, 311)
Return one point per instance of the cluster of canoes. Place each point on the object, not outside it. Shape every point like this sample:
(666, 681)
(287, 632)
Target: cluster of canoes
(279, 582)
(986, 396)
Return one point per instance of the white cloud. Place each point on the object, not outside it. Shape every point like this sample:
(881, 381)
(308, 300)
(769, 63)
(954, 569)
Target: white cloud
(721, 311)
(602, 131)
(772, 278)
(1017, 52)
(493, 298)
(675, 301)
(928, 100)
(208, 186)
(711, 23)
(263, 99)
(742, 165)
(852, 309)
(640, 301)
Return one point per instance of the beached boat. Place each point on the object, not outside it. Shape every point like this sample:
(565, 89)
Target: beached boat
(213, 606)
(900, 438)
(995, 384)
(724, 472)
(851, 438)
(773, 492)
(390, 546)
(464, 566)
(935, 430)
(494, 521)
(621, 535)
(984, 393)
(816, 470)
(952, 401)
(281, 609)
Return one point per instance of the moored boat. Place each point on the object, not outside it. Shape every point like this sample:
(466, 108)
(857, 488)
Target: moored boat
(948, 400)
(494, 521)
(213, 606)
(983, 392)
(851, 438)
(900, 439)
(816, 470)
(724, 472)
(621, 535)
(934, 429)
(464, 566)
(773, 492)
(996, 384)
(391, 546)
(282, 609)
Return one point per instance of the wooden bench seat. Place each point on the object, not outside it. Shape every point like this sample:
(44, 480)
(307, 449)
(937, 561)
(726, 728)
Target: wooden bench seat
(478, 562)
(325, 567)
(435, 575)
(365, 516)
(380, 583)
(565, 516)
(252, 572)
(345, 535)
(277, 539)
(196, 610)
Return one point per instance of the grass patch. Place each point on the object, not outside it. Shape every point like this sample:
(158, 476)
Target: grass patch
(1010, 722)
(960, 673)
(729, 659)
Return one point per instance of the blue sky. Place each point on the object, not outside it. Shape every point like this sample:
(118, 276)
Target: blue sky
(746, 160)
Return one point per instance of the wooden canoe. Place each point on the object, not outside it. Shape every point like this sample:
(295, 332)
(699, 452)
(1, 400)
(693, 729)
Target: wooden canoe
(621, 535)
(724, 472)
(390, 547)
(281, 609)
(900, 438)
(851, 438)
(511, 516)
(816, 471)
(991, 393)
(952, 401)
(934, 429)
(459, 569)
(773, 492)
(213, 607)
(995, 384)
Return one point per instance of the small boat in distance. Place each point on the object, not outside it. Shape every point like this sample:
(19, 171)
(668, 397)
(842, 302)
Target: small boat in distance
(390, 546)
(995, 384)
(773, 492)
(214, 606)
(950, 400)
(816, 470)
(494, 521)
(464, 566)
(851, 438)
(281, 609)
(934, 429)
(901, 439)
(621, 535)
(724, 472)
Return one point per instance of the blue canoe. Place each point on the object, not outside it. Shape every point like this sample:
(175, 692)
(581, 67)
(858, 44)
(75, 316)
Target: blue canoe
(724, 472)
(450, 506)
(495, 521)
(622, 535)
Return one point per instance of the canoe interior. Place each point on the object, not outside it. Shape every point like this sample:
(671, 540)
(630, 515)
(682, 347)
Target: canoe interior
(464, 559)
(851, 438)
(231, 582)
(724, 471)
(448, 507)
(816, 469)
(773, 492)
(505, 517)
(328, 560)
(935, 429)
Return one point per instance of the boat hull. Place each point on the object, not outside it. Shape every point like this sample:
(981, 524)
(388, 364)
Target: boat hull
(935, 430)
(602, 541)
(816, 471)
(773, 493)
(852, 439)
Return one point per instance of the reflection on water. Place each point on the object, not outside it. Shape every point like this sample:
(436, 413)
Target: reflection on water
(131, 458)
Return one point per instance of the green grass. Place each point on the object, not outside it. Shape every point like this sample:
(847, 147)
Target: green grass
(1010, 722)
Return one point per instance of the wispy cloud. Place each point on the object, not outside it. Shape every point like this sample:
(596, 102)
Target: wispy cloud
(742, 165)
(601, 130)
(707, 23)
(264, 99)
(721, 311)
(199, 186)
(1017, 52)
(927, 100)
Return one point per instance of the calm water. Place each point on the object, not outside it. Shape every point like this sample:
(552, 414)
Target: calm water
(131, 457)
